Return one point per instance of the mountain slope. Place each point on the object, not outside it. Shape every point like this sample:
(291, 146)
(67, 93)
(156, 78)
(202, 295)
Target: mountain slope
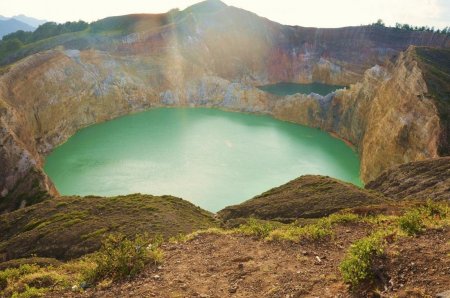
(33, 22)
(428, 179)
(12, 25)
(304, 197)
(69, 227)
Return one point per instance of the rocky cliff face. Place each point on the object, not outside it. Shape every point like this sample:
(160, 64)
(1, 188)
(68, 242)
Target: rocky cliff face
(216, 56)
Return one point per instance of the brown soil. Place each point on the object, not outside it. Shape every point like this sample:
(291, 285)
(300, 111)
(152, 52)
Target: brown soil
(421, 262)
(241, 266)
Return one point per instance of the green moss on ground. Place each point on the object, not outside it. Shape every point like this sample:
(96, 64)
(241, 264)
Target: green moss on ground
(69, 227)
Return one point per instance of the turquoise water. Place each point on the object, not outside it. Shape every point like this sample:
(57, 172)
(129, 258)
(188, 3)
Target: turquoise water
(209, 157)
(283, 89)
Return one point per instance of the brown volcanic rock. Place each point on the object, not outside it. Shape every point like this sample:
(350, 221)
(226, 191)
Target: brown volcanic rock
(427, 179)
(304, 197)
(214, 55)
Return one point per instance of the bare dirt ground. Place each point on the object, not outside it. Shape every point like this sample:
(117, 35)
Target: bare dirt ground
(241, 266)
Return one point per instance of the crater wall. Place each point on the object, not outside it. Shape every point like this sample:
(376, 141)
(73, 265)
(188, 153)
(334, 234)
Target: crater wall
(217, 59)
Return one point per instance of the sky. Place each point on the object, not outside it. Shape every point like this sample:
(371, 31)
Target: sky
(312, 13)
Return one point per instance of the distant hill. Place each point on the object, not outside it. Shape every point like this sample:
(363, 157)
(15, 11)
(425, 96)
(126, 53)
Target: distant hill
(33, 22)
(12, 25)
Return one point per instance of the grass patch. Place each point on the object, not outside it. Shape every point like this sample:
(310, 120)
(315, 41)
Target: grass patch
(29, 292)
(296, 234)
(337, 218)
(120, 258)
(435, 210)
(30, 281)
(94, 234)
(257, 228)
(275, 231)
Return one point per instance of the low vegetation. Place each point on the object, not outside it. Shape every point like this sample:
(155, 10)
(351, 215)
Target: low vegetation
(357, 265)
(258, 228)
(411, 223)
(294, 232)
(121, 258)
(30, 280)
(70, 227)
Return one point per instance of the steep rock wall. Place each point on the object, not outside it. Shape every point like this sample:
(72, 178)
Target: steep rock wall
(387, 116)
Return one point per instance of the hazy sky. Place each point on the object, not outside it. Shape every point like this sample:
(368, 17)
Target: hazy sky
(317, 13)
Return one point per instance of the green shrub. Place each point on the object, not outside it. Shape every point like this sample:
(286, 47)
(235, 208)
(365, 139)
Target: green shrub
(13, 274)
(434, 209)
(29, 292)
(342, 218)
(44, 279)
(357, 265)
(411, 222)
(3, 282)
(120, 258)
(258, 228)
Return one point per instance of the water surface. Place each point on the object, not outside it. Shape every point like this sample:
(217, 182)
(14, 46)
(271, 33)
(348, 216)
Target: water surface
(209, 157)
(283, 89)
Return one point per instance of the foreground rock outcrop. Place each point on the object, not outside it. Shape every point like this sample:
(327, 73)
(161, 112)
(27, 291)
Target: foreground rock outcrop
(428, 179)
(304, 197)
(215, 55)
(69, 227)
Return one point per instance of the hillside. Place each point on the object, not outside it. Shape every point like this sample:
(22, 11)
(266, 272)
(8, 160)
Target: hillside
(33, 22)
(428, 179)
(69, 227)
(269, 259)
(396, 248)
(304, 197)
